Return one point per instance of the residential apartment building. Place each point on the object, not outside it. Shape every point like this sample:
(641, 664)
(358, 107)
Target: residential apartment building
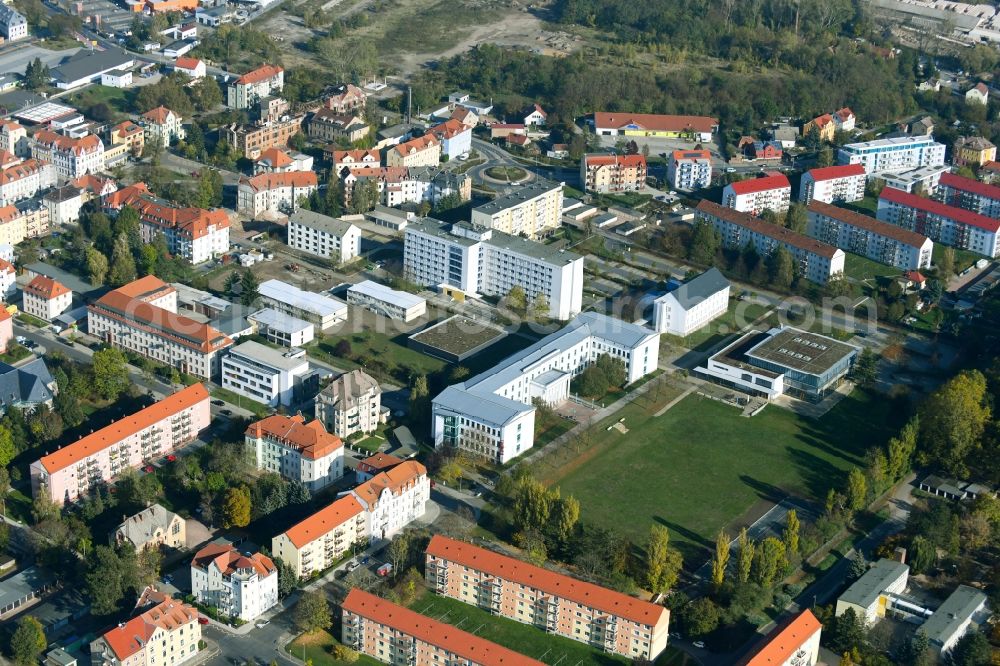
(328, 125)
(124, 318)
(240, 585)
(264, 374)
(690, 169)
(302, 452)
(132, 136)
(613, 173)
(31, 218)
(692, 128)
(394, 498)
(755, 195)
(13, 24)
(879, 241)
(14, 138)
(399, 185)
(252, 140)
(795, 643)
(970, 194)
(417, 152)
(528, 210)
(692, 305)
(455, 138)
(45, 298)
(13, 224)
(63, 204)
(351, 403)
(492, 416)
(274, 192)
(346, 98)
(391, 303)
(941, 223)
(25, 179)
(253, 86)
(973, 150)
(815, 261)
(8, 288)
(72, 157)
(834, 184)
(353, 160)
(393, 634)
(152, 527)
(324, 236)
(164, 633)
(319, 541)
(475, 261)
(163, 125)
(72, 472)
(322, 311)
(823, 127)
(608, 620)
(275, 160)
(282, 329)
(894, 154)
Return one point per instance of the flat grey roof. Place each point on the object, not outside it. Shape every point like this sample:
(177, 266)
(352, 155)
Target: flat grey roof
(867, 589)
(517, 196)
(402, 299)
(698, 289)
(951, 616)
(23, 584)
(279, 321)
(276, 358)
(72, 282)
(528, 248)
(324, 223)
(802, 351)
(549, 377)
(88, 63)
(488, 407)
(289, 294)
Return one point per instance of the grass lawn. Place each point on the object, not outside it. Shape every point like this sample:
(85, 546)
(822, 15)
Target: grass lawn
(26, 318)
(963, 258)
(862, 268)
(115, 98)
(258, 408)
(316, 646)
(740, 314)
(15, 353)
(382, 356)
(18, 506)
(701, 466)
(506, 173)
(867, 206)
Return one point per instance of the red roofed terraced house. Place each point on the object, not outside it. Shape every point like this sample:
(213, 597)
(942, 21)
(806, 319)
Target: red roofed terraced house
(253, 86)
(395, 498)
(559, 604)
(879, 241)
(237, 584)
(833, 184)
(302, 452)
(131, 318)
(969, 194)
(396, 635)
(692, 128)
(274, 192)
(794, 644)
(941, 223)
(755, 195)
(319, 541)
(45, 298)
(613, 173)
(72, 472)
(352, 159)
(165, 633)
(71, 157)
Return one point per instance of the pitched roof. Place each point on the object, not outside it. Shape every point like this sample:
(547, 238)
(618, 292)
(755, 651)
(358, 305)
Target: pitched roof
(698, 289)
(187, 63)
(23, 170)
(867, 223)
(272, 181)
(821, 121)
(131, 637)
(275, 158)
(61, 142)
(159, 115)
(656, 122)
(122, 428)
(844, 113)
(449, 129)
(550, 582)
(959, 215)
(161, 322)
(262, 73)
(394, 480)
(140, 528)
(44, 287)
(417, 144)
(323, 521)
(310, 439)
(757, 225)
(956, 182)
(356, 156)
(621, 161)
(785, 642)
(228, 560)
(94, 183)
(834, 172)
(190, 222)
(378, 462)
(974, 143)
(771, 181)
(146, 288)
(467, 646)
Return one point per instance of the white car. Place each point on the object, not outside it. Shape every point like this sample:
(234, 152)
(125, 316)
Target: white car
(699, 644)
(262, 623)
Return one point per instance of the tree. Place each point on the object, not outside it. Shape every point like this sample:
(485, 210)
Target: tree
(287, 580)
(122, 262)
(36, 75)
(781, 268)
(97, 265)
(700, 617)
(923, 554)
(565, 515)
(770, 560)
(663, 562)
(345, 654)
(399, 551)
(236, 507)
(859, 566)
(914, 650)
(746, 556)
(110, 373)
(796, 218)
(7, 448)
(540, 306)
(952, 420)
(312, 612)
(364, 195)
(4, 487)
(791, 533)
(28, 641)
(516, 299)
(973, 649)
(249, 288)
(946, 264)
(825, 157)
(705, 243)
(209, 187)
(865, 369)
(721, 559)
(847, 632)
(899, 450)
(857, 489)
(532, 504)
(419, 398)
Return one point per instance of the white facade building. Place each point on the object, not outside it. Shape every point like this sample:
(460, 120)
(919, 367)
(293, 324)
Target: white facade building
(833, 184)
(690, 169)
(302, 452)
(168, 626)
(755, 195)
(692, 305)
(45, 298)
(323, 236)
(529, 210)
(253, 86)
(264, 374)
(879, 241)
(394, 499)
(941, 223)
(237, 584)
(322, 311)
(13, 24)
(894, 154)
(868, 595)
(274, 192)
(72, 157)
(281, 328)
(351, 403)
(390, 303)
(24, 180)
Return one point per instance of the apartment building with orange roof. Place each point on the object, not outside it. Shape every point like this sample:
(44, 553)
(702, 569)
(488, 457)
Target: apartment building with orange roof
(241, 585)
(14, 223)
(302, 452)
(276, 160)
(417, 152)
(274, 192)
(25, 179)
(396, 635)
(352, 160)
(613, 173)
(248, 89)
(554, 602)
(8, 279)
(6, 327)
(164, 633)
(163, 125)
(71, 472)
(72, 157)
(394, 498)
(455, 137)
(131, 322)
(46, 298)
(130, 134)
(319, 541)
(796, 643)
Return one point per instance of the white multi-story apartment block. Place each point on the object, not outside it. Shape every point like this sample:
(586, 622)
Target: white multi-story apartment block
(13, 24)
(755, 195)
(455, 138)
(128, 318)
(611, 621)
(45, 298)
(163, 125)
(302, 452)
(391, 303)
(970, 194)
(492, 416)
(394, 498)
(264, 374)
(474, 260)
(274, 192)
(796, 643)
(690, 169)
(613, 173)
(24, 180)
(69, 473)
(352, 160)
(814, 260)
(834, 184)
(894, 154)
(319, 541)
(322, 311)
(692, 305)
(351, 403)
(323, 236)
(282, 329)
(879, 241)
(941, 223)
(529, 210)
(72, 157)
(237, 584)
(164, 633)
(253, 86)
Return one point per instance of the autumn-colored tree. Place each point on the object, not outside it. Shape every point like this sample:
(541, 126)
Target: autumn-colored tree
(236, 507)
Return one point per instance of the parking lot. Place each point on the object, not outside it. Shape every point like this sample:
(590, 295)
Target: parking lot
(16, 60)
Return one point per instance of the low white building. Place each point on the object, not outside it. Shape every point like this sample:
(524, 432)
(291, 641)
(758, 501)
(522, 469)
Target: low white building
(834, 184)
(193, 67)
(45, 298)
(240, 585)
(274, 192)
(351, 403)
(869, 595)
(323, 311)
(302, 452)
(690, 169)
(755, 195)
(391, 303)
(394, 499)
(117, 78)
(323, 236)
(282, 329)
(264, 374)
(954, 618)
(692, 305)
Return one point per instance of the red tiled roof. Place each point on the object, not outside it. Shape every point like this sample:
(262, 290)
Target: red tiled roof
(915, 276)
(61, 142)
(5, 267)
(146, 288)
(417, 144)
(324, 520)
(954, 181)
(190, 222)
(448, 129)
(834, 172)
(159, 115)
(378, 462)
(444, 636)
(395, 479)
(46, 288)
(691, 155)
(161, 322)
(356, 156)
(260, 74)
(92, 183)
(228, 560)
(844, 113)
(821, 121)
(757, 225)
(274, 157)
(785, 642)
(867, 223)
(131, 637)
(123, 428)
(18, 171)
(959, 215)
(271, 181)
(9, 214)
(550, 582)
(187, 63)
(622, 161)
(991, 166)
(772, 181)
(310, 439)
(656, 122)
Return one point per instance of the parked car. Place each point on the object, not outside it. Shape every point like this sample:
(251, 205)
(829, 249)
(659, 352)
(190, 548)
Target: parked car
(352, 565)
(171, 458)
(218, 403)
(227, 412)
(148, 469)
(699, 644)
(384, 570)
(262, 623)
(202, 619)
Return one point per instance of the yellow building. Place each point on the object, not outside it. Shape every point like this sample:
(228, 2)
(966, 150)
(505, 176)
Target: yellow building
(973, 151)
(13, 225)
(531, 210)
(323, 538)
(421, 151)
